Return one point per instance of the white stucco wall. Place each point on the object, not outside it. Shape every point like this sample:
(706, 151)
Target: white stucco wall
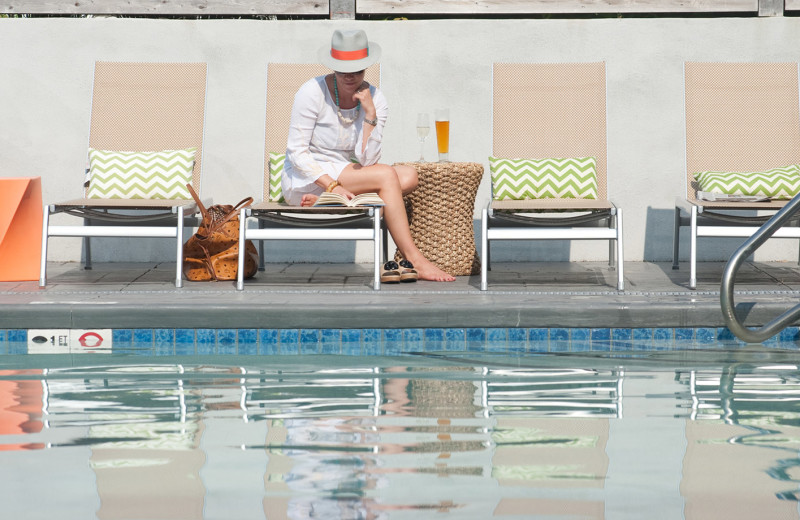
(46, 78)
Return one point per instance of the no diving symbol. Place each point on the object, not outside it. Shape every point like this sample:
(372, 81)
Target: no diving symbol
(90, 340)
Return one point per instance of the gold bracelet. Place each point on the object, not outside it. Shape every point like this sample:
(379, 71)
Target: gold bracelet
(332, 186)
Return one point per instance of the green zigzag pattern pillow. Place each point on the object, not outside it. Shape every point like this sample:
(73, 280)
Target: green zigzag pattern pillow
(276, 161)
(140, 175)
(778, 183)
(553, 178)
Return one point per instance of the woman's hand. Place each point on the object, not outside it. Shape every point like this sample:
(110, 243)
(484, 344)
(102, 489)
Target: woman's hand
(325, 182)
(364, 95)
(341, 190)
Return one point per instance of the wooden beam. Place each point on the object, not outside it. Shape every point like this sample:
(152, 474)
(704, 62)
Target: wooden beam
(343, 9)
(770, 7)
(168, 7)
(554, 6)
(347, 9)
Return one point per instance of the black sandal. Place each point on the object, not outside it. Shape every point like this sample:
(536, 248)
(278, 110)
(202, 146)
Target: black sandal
(407, 272)
(390, 272)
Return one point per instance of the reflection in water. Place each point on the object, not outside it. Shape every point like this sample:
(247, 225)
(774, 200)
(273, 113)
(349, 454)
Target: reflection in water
(298, 440)
(744, 415)
(21, 410)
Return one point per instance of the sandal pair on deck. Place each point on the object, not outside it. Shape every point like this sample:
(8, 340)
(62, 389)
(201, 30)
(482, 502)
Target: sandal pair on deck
(392, 272)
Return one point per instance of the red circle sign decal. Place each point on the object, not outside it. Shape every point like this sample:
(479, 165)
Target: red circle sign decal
(90, 340)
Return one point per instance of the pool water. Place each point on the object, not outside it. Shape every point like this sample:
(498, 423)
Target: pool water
(695, 435)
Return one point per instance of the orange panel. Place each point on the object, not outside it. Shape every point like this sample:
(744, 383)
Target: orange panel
(20, 228)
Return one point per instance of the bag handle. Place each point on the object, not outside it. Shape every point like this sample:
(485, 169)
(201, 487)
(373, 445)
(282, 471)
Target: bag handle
(242, 204)
(232, 213)
(197, 199)
(228, 216)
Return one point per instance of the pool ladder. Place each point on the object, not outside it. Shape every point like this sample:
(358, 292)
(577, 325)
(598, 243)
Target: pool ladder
(755, 241)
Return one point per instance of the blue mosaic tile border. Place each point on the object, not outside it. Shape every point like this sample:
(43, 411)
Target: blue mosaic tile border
(390, 342)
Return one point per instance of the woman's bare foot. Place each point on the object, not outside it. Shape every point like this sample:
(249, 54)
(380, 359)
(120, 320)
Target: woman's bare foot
(428, 271)
(308, 199)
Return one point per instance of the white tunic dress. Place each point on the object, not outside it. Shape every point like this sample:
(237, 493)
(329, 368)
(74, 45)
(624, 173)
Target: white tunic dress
(319, 143)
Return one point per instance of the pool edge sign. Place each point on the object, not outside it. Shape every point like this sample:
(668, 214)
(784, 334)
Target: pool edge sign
(69, 341)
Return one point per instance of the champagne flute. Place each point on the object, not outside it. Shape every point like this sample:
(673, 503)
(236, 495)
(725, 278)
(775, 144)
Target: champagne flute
(423, 129)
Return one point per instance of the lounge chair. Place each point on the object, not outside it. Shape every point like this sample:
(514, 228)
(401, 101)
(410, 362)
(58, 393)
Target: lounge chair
(278, 220)
(545, 118)
(144, 113)
(740, 117)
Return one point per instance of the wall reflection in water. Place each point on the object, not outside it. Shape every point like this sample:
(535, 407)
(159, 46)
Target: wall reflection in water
(300, 441)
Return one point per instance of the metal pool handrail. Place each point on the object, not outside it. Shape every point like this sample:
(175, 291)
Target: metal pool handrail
(755, 241)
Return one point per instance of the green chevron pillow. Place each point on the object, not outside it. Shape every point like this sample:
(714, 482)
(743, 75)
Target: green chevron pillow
(140, 175)
(778, 183)
(275, 171)
(554, 178)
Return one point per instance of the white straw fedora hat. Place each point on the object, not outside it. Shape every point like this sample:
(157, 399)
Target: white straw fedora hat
(349, 52)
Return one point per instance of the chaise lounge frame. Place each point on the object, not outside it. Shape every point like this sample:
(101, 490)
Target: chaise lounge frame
(138, 107)
(544, 110)
(739, 117)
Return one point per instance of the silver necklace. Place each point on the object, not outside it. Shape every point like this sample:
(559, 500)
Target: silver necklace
(345, 121)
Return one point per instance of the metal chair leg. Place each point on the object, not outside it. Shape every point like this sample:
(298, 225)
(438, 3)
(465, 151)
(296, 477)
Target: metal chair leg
(45, 235)
(676, 238)
(87, 248)
(484, 249)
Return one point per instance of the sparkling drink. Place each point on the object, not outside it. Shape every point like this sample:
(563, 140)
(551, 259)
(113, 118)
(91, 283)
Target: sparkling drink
(423, 129)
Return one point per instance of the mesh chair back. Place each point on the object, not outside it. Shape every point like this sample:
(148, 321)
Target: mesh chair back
(740, 117)
(550, 110)
(140, 107)
(283, 82)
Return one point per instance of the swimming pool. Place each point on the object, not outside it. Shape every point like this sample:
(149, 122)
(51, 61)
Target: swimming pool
(696, 434)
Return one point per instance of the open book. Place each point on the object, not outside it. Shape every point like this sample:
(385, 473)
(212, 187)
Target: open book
(721, 197)
(335, 199)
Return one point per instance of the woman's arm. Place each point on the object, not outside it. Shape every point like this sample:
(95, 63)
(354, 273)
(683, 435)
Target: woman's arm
(306, 108)
(375, 107)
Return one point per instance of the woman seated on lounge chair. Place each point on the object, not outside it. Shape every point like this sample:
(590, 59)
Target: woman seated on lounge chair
(335, 143)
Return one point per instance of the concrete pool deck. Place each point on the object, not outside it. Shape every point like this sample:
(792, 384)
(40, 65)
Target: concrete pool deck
(542, 294)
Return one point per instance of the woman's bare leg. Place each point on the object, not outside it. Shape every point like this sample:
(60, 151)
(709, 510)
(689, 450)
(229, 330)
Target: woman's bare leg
(406, 174)
(389, 182)
(408, 178)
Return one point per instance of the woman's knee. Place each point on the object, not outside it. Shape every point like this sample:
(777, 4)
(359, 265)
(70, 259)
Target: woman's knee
(388, 175)
(407, 175)
(368, 178)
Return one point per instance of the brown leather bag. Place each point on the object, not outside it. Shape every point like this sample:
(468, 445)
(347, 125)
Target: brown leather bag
(213, 252)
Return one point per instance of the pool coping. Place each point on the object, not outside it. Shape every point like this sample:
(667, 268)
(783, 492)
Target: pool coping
(338, 296)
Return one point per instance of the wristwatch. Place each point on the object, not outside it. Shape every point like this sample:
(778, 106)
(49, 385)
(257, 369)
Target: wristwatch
(373, 122)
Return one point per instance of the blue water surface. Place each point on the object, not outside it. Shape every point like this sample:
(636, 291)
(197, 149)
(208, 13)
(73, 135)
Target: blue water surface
(693, 433)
